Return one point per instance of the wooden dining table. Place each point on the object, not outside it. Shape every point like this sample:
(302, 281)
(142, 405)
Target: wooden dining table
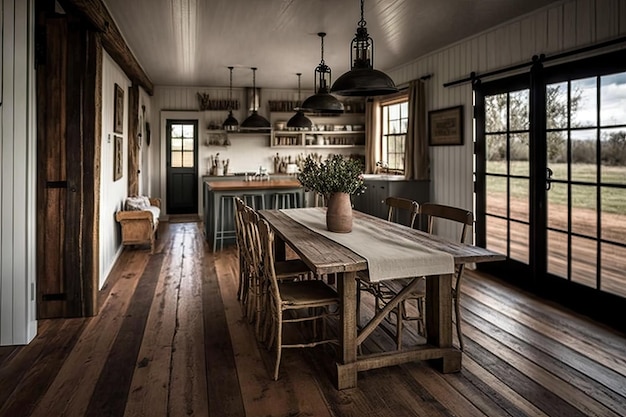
(325, 256)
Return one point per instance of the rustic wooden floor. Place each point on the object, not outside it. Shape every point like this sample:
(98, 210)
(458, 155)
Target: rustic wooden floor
(171, 340)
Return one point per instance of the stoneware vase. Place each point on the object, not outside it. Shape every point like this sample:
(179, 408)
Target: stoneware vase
(339, 213)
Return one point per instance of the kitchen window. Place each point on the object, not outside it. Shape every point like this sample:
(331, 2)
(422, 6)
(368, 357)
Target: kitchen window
(395, 116)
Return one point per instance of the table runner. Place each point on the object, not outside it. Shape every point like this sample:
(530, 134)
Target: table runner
(388, 255)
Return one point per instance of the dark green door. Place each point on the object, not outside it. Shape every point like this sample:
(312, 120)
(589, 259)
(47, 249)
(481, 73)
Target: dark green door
(182, 166)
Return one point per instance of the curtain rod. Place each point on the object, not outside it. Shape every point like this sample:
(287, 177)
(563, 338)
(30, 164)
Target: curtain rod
(423, 78)
(473, 76)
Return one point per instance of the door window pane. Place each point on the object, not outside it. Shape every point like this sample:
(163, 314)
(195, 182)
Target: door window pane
(519, 199)
(557, 253)
(519, 242)
(496, 195)
(557, 207)
(613, 99)
(518, 110)
(496, 154)
(584, 214)
(556, 106)
(613, 280)
(497, 234)
(613, 155)
(584, 255)
(583, 158)
(496, 113)
(613, 214)
(584, 102)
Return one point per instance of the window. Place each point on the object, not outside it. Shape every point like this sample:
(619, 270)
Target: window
(182, 145)
(395, 118)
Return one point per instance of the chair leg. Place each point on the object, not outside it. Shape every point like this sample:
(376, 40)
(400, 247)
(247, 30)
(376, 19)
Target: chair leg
(279, 342)
(400, 313)
(457, 312)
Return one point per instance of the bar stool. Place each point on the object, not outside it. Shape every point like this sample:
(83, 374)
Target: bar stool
(285, 200)
(226, 205)
(251, 199)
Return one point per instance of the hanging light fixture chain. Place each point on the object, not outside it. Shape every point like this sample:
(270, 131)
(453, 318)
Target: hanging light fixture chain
(362, 21)
(322, 36)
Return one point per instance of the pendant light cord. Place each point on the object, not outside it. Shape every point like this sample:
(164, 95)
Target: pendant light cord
(254, 89)
(230, 90)
(362, 21)
(299, 98)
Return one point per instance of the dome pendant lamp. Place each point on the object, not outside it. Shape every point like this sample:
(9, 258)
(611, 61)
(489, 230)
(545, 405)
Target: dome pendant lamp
(230, 124)
(299, 120)
(255, 121)
(363, 79)
(322, 101)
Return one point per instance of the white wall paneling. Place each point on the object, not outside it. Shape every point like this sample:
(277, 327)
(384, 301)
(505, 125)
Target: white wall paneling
(112, 193)
(556, 28)
(18, 323)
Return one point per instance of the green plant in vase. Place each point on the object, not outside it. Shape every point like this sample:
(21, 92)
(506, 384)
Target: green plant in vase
(336, 179)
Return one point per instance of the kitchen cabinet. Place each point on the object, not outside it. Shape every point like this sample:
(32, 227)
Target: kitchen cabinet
(379, 187)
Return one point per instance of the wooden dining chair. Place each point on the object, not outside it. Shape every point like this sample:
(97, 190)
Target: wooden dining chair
(433, 213)
(399, 210)
(242, 247)
(292, 269)
(311, 299)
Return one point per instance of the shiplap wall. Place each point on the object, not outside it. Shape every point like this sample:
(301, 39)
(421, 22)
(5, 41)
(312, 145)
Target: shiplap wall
(18, 323)
(560, 27)
(112, 193)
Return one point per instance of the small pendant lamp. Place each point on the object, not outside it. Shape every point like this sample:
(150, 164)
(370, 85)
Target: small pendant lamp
(363, 79)
(230, 124)
(255, 120)
(299, 120)
(322, 101)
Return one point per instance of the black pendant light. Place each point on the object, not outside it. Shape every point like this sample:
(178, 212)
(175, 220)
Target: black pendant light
(255, 120)
(322, 101)
(230, 124)
(299, 120)
(363, 79)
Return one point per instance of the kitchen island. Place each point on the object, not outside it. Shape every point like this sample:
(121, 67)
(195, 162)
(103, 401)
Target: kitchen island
(213, 191)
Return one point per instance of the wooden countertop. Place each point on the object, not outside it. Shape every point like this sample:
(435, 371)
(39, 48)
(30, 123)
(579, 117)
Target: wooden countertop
(252, 185)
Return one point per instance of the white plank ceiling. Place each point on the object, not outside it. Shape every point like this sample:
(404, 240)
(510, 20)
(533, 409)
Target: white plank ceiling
(192, 42)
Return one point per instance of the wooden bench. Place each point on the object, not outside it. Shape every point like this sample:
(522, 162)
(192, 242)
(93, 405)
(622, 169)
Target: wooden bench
(140, 226)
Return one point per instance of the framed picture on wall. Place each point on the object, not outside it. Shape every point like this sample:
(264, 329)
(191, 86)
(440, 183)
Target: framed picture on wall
(118, 110)
(118, 158)
(445, 127)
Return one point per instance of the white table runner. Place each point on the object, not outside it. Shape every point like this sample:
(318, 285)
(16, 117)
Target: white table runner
(388, 255)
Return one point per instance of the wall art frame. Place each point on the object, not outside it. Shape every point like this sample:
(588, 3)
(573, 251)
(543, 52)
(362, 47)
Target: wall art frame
(118, 110)
(445, 126)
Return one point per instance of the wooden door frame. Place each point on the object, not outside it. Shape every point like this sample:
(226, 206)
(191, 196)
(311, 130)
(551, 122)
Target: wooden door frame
(75, 278)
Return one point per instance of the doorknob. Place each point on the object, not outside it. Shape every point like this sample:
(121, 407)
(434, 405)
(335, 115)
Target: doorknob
(548, 178)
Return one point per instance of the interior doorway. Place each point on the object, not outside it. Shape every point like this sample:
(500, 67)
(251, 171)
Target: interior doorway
(182, 166)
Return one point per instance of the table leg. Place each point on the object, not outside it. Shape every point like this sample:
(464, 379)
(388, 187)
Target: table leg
(346, 368)
(280, 252)
(439, 320)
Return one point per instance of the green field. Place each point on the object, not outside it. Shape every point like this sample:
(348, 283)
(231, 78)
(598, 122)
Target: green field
(583, 196)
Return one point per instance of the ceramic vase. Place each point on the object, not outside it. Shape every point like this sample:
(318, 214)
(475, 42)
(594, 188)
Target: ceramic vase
(339, 213)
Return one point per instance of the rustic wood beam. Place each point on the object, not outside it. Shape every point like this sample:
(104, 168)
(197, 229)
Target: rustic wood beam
(97, 14)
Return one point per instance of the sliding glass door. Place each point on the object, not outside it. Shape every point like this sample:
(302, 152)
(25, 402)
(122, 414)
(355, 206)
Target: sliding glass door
(551, 179)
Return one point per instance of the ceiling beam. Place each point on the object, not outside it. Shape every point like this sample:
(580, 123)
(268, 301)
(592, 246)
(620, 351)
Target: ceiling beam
(97, 14)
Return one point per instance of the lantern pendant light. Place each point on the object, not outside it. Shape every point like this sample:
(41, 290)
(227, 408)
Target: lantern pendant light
(255, 121)
(363, 79)
(322, 101)
(299, 120)
(230, 124)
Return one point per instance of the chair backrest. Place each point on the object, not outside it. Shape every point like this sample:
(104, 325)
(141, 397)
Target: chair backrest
(239, 227)
(432, 211)
(252, 244)
(266, 237)
(465, 218)
(397, 204)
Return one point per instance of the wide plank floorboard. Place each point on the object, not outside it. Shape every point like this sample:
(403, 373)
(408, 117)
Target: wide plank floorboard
(171, 339)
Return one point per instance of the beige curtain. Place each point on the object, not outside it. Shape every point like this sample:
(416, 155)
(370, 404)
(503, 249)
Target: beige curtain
(372, 133)
(416, 157)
